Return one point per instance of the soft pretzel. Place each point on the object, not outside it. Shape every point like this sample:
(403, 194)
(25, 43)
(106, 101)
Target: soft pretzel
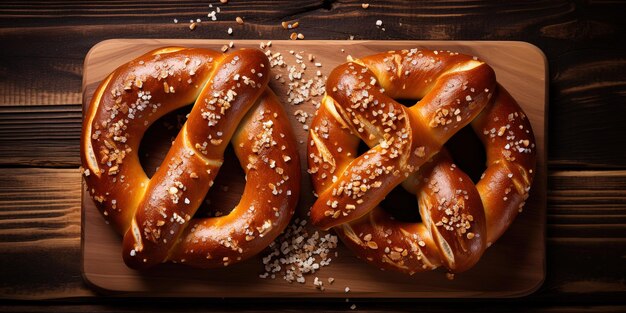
(232, 104)
(459, 219)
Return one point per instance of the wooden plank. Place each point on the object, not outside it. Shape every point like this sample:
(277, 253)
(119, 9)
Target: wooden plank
(587, 197)
(47, 202)
(53, 141)
(332, 307)
(520, 69)
(40, 234)
(564, 181)
(40, 135)
(48, 136)
(48, 44)
(584, 270)
(577, 90)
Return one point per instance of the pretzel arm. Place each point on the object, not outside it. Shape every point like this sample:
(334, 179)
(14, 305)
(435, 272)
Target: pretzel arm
(174, 192)
(509, 141)
(459, 219)
(269, 198)
(401, 139)
(231, 103)
(122, 109)
(453, 232)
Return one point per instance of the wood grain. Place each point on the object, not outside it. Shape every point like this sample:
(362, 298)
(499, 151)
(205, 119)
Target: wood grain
(520, 68)
(25, 200)
(45, 136)
(40, 231)
(578, 39)
(294, 306)
(44, 44)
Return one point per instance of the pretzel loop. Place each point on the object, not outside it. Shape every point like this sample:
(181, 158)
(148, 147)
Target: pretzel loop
(232, 103)
(459, 219)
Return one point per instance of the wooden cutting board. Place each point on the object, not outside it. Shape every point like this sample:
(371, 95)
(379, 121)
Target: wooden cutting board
(513, 267)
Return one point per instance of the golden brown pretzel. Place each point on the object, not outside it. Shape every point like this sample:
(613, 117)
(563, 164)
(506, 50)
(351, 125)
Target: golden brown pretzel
(459, 219)
(232, 103)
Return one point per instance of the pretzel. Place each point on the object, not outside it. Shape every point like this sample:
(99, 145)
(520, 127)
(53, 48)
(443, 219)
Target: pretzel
(459, 219)
(232, 103)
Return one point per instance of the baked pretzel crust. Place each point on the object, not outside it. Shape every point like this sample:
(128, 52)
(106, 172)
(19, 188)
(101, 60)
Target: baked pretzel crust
(459, 219)
(232, 104)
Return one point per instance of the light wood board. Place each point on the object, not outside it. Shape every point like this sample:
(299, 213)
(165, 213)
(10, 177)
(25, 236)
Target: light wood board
(513, 267)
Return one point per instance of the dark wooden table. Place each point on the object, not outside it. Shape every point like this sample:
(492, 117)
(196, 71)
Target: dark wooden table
(43, 45)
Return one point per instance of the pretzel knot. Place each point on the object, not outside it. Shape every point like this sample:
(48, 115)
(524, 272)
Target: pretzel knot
(232, 103)
(459, 219)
